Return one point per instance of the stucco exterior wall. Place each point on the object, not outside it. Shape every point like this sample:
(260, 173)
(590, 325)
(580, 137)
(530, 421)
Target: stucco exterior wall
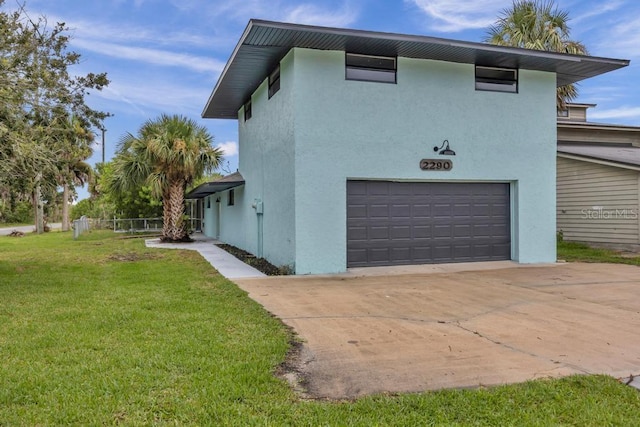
(367, 130)
(266, 161)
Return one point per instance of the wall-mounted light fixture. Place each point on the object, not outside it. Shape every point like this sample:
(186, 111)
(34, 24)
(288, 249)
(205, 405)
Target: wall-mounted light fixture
(218, 200)
(444, 149)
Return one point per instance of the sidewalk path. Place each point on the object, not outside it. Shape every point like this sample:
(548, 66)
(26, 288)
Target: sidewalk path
(226, 264)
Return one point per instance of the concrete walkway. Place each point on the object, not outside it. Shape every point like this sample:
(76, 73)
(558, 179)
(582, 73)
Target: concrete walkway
(226, 264)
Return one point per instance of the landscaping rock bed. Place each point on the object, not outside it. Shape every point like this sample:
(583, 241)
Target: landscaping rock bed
(259, 264)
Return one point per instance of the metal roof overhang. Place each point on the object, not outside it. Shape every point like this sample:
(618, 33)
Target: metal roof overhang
(225, 183)
(264, 43)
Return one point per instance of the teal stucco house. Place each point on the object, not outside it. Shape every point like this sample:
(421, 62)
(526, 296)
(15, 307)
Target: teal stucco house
(361, 148)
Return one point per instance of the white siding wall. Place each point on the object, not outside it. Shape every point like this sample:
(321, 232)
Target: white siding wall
(597, 203)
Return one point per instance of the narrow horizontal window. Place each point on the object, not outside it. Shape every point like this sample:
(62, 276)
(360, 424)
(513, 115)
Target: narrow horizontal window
(496, 79)
(247, 110)
(274, 81)
(370, 68)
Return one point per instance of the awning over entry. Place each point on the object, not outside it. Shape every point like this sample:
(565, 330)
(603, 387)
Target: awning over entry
(222, 184)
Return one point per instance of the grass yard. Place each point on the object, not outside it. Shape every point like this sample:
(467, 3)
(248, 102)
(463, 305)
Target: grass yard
(580, 252)
(104, 331)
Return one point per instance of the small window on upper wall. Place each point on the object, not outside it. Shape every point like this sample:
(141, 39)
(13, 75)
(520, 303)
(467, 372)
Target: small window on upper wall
(247, 110)
(370, 68)
(274, 81)
(497, 79)
(232, 198)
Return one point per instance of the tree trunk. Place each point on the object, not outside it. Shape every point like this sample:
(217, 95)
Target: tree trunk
(38, 205)
(166, 214)
(174, 226)
(65, 207)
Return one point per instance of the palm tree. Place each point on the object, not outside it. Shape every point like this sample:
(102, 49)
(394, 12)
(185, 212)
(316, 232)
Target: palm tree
(539, 25)
(167, 154)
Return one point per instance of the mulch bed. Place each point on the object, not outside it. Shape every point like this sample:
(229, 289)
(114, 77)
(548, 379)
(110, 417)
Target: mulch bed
(259, 264)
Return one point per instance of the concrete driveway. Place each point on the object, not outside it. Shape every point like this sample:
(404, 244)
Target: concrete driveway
(462, 325)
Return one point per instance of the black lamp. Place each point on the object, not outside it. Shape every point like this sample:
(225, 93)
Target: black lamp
(444, 149)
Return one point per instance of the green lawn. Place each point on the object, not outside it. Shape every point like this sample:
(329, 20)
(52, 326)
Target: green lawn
(104, 331)
(580, 252)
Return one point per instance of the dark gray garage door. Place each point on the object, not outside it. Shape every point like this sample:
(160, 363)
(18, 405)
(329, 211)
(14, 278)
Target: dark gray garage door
(395, 223)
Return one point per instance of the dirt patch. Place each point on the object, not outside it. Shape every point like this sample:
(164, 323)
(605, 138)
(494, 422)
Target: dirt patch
(294, 369)
(132, 257)
(259, 264)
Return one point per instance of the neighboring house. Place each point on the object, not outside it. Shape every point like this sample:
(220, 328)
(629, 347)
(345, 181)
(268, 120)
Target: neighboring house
(361, 148)
(598, 185)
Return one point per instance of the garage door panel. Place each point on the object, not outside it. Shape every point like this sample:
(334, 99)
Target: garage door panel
(462, 210)
(502, 251)
(358, 233)
(378, 211)
(500, 209)
(463, 253)
(400, 210)
(357, 188)
(357, 211)
(442, 253)
(401, 254)
(462, 231)
(440, 210)
(421, 211)
(400, 232)
(379, 255)
(392, 223)
(378, 233)
(357, 256)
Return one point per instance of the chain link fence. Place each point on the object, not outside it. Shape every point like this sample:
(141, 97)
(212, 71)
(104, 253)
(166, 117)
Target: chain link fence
(138, 225)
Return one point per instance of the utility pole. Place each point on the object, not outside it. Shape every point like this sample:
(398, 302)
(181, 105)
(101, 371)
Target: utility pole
(103, 131)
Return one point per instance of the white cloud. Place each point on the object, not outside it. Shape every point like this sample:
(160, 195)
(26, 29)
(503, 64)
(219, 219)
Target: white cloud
(238, 10)
(459, 15)
(94, 30)
(152, 56)
(627, 39)
(230, 148)
(600, 9)
(158, 96)
(616, 113)
(311, 14)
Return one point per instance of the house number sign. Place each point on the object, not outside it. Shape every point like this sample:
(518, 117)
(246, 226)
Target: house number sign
(436, 164)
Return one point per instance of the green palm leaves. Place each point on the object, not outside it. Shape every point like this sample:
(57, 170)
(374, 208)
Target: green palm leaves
(166, 154)
(539, 25)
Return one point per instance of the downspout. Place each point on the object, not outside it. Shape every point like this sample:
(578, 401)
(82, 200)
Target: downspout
(257, 205)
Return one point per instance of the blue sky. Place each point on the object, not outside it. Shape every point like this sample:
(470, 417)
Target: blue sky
(164, 56)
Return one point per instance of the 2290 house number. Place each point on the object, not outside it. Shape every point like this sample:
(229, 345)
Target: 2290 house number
(436, 164)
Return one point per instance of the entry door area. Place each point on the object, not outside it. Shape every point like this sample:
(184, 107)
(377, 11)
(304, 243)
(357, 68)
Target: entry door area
(399, 223)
